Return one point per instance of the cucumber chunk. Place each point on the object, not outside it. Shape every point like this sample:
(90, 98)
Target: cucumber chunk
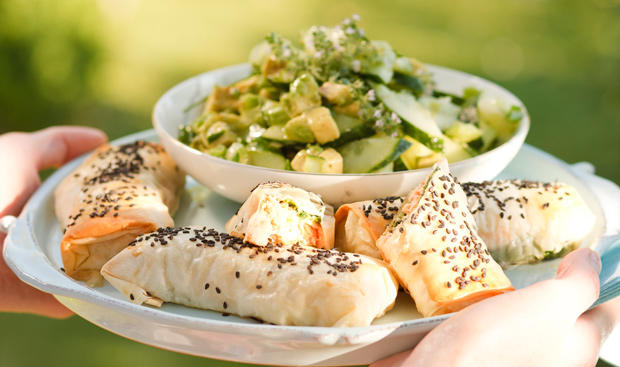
(387, 168)
(403, 65)
(408, 81)
(495, 113)
(274, 113)
(489, 136)
(455, 152)
(218, 151)
(371, 154)
(384, 68)
(350, 128)
(304, 162)
(461, 132)
(275, 133)
(265, 158)
(303, 95)
(220, 133)
(237, 152)
(418, 121)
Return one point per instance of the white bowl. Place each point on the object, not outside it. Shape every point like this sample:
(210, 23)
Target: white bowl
(235, 180)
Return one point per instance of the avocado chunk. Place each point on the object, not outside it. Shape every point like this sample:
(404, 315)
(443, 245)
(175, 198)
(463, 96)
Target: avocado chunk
(333, 161)
(303, 95)
(222, 99)
(298, 129)
(269, 92)
(417, 150)
(335, 93)
(352, 109)
(248, 85)
(429, 160)
(322, 125)
(276, 71)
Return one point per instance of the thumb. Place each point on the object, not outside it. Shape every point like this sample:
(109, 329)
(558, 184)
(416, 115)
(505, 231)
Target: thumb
(578, 280)
(57, 145)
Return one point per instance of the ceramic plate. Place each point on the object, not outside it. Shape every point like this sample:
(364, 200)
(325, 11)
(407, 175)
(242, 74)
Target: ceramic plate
(32, 251)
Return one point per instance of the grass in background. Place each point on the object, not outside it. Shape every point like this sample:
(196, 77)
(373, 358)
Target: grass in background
(104, 63)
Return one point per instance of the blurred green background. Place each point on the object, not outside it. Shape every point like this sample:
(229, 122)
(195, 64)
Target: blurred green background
(104, 63)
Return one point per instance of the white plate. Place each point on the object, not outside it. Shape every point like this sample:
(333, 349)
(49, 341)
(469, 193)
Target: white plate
(222, 176)
(32, 251)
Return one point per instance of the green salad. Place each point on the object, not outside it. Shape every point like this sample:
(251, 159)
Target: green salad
(336, 102)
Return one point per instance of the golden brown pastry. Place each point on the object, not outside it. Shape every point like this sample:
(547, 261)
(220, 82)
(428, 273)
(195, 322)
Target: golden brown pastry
(434, 249)
(281, 213)
(360, 224)
(520, 221)
(117, 194)
(284, 285)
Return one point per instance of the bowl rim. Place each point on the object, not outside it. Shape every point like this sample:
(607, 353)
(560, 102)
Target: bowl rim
(517, 138)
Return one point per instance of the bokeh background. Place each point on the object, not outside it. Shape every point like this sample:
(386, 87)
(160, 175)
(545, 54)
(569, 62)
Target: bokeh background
(104, 63)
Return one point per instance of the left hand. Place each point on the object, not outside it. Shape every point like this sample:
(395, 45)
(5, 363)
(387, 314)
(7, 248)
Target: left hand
(24, 155)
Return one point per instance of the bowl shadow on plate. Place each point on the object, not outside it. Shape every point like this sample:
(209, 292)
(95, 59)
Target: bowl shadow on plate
(197, 203)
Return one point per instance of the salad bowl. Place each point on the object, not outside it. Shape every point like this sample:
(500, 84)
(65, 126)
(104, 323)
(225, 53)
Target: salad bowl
(235, 180)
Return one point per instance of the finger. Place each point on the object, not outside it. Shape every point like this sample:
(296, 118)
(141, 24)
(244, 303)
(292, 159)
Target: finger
(57, 145)
(18, 296)
(605, 317)
(577, 280)
(582, 344)
(395, 360)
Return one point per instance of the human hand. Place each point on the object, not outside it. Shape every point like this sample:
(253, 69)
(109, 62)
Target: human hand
(545, 324)
(24, 154)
